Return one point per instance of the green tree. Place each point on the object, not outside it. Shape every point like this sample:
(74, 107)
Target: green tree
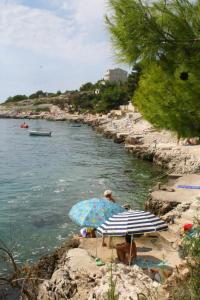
(133, 79)
(111, 97)
(161, 31)
(164, 38)
(38, 94)
(87, 87)
(16, 98)
(83, 101)
(189, 288)
(168, 102)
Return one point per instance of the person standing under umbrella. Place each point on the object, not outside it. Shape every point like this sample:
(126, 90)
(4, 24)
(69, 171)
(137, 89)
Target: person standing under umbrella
(127, 252)
(132, 222)
(93, 212)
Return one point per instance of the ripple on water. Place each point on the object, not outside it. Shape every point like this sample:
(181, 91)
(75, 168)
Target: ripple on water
(36, 188)
(59, 191)
(62, 180)
(60, 238)
(11, 201)
(64, 226)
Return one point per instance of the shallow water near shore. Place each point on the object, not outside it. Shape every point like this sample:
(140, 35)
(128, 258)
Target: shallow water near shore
(42, 177)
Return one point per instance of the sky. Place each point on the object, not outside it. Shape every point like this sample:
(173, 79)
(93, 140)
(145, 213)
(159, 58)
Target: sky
(52, 45)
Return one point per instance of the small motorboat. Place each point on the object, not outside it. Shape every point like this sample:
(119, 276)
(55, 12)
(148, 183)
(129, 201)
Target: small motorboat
(39, 133)
(76, 125)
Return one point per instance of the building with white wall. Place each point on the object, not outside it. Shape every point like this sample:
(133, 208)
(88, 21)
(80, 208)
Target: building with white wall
(128, 108)
(115, 75)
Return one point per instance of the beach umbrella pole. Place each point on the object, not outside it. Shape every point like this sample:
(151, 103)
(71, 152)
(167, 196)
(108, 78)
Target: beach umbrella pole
(131, 249)
(96, 244)
(101, 249)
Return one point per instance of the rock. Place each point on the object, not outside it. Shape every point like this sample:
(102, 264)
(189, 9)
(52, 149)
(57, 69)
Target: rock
(79, 260)
(159, 207)
(134, 140)
(59, 287)
(132, 282)
(71, 281)
(184, 273)
(176, 280)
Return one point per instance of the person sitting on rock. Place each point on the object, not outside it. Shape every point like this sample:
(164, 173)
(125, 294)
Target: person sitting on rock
(88, 232)
(127, 252)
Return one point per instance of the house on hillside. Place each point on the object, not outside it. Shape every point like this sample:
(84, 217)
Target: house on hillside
(128, 108)
(115, 75)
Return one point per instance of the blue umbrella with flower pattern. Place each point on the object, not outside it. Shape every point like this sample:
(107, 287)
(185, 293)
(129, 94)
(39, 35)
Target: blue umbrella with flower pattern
(93, 212)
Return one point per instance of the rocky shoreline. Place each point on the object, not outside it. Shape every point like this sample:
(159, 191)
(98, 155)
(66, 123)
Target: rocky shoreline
(176, 206)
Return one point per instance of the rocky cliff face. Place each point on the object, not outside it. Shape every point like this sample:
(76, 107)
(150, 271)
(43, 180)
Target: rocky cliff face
(143, 141)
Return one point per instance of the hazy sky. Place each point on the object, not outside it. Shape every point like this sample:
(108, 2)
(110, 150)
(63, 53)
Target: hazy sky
(52, 45)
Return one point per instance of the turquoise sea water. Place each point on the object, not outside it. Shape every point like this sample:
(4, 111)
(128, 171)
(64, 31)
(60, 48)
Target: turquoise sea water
(42, 177)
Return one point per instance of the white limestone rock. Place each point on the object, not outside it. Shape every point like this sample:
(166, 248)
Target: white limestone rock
(130, 281)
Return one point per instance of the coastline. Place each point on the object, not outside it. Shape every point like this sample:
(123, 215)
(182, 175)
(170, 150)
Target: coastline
(128, 127)
(142, 140)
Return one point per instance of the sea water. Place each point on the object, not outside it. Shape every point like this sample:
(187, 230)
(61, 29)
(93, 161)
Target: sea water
(41, 178)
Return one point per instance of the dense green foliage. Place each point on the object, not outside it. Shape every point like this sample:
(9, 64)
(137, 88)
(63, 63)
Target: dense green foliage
(35, 96)
(168, 102)
(133, 80)
(38, 94)
(100, 97)
(164, 37)
(193, 247)
(16, 98)
(109, 96)
(190, 290)
(86, 87)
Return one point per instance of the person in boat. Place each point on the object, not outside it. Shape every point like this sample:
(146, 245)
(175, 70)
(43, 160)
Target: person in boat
(127, 251)
(24, 125)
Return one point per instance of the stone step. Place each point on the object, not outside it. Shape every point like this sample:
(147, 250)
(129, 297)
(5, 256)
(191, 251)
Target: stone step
(174, 176)
(168, 237)
(129, 147)
(122, 135)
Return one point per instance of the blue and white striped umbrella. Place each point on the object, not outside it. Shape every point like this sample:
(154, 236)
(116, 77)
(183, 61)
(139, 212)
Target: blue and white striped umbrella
(132, 222)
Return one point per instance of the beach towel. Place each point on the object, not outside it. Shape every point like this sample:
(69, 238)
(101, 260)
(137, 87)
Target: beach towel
(149, 263)
(192, 187)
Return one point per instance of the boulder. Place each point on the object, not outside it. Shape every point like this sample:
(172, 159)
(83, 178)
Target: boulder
(130, 283)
